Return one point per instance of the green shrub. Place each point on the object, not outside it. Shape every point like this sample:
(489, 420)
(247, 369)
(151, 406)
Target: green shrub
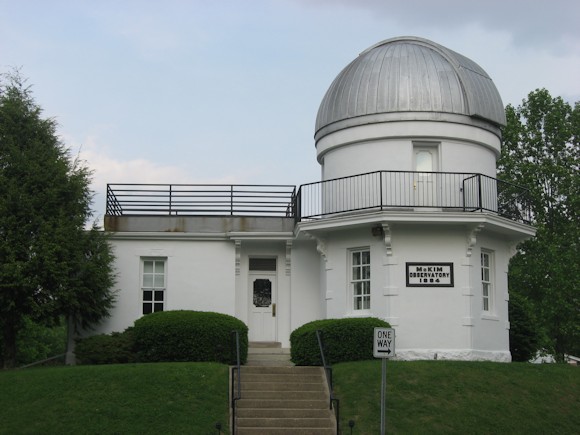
(189, 336)
(116, 348)
(348, 339)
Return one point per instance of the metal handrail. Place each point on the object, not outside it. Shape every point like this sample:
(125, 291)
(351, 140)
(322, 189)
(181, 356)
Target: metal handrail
(42, 361)
(400, 190)
(113, 206)
(379, 190)
(328, 373)
(236, 395)
(199, 199)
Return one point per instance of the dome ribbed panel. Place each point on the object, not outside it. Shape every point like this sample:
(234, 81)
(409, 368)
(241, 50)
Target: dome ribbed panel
(410, 75)
(484, 99)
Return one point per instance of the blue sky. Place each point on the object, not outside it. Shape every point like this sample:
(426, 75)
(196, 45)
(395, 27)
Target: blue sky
(227, 91)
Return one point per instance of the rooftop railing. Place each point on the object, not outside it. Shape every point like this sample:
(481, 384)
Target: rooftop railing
(381, 190)
(400, 190)
(200, 200)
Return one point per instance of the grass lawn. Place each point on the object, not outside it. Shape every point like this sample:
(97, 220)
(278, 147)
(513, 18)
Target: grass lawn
(459, 397)
(189, 398)
(169, 398)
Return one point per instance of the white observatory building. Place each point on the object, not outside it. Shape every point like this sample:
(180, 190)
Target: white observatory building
(408, 222)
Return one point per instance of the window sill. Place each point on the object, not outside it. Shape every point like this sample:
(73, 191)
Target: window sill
(361, 313)
(490, 317)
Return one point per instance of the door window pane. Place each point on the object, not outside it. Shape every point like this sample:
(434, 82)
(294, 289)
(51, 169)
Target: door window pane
(263, 264)
(262, 293)
(424, 161)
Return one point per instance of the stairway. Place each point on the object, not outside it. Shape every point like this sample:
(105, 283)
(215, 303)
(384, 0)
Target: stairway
(278, 398)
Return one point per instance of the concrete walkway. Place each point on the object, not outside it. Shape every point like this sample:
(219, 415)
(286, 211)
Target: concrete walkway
(268, 354)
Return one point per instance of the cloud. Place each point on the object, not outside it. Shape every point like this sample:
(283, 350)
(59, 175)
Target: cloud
(522, 44)
(532, 23)
(151, 30)
(107, 169)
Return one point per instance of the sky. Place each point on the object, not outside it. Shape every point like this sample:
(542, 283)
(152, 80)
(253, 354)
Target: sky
(226, 92)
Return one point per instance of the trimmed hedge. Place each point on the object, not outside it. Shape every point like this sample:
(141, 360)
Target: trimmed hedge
(349, 339)
(189, 336)
(116, 348)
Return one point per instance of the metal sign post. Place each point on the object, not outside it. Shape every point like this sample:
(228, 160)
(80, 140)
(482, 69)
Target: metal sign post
(384, 347)
(383, 395)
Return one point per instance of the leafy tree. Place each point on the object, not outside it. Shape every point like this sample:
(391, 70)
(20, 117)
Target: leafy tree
(37, 342)
(541, 152)
(50, 266)
(525, 333)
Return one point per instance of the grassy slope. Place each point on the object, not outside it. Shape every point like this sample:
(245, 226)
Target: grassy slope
(457, 397)
(189, 398)
(167, 398)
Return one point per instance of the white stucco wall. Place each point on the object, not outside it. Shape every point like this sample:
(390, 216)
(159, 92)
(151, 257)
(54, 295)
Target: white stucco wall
(442, 322)
(313, 274)
(389, 147)
(491, 329)
(428, 317)
(201, 275)
(307, 296)
(337, 268)
(195, 280)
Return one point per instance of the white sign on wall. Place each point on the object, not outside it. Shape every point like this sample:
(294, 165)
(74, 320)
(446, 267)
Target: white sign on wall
(384, 343)
(429, 274)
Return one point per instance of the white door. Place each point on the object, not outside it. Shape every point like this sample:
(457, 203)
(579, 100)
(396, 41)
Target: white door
(262, 289)
(425, 182)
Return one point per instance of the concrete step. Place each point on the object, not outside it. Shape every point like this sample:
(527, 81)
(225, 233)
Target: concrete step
(282, 370)
(264, 344)
(280, 377)
(264, 360)
(269, 360)
(281, 386)
(285, 403)
(285, 431)
(283, 412)
(279, 398)
(268, 350)
(289, 395)
(284, 422)
(268, 354)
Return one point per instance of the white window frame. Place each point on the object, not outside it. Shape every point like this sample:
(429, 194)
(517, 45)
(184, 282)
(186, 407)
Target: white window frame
(487, 263)
(157, 297)
(360, 280)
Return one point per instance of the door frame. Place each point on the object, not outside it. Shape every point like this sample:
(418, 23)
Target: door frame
(432, 199)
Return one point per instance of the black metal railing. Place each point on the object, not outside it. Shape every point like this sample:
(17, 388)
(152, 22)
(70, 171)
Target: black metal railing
(334, 402)
(392, 190)
(380, 190)
(236, 380)
(113, 206)
(200, 199)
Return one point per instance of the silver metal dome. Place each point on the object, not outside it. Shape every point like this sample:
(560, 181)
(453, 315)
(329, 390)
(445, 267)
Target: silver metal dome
(408, 74)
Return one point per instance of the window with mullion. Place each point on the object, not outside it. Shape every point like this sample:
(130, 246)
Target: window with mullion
(361, 279)
(153, 285)
(487, 281)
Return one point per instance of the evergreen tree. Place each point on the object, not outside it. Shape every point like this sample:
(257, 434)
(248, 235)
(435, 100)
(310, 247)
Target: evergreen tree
(541, 152)
(50, 265)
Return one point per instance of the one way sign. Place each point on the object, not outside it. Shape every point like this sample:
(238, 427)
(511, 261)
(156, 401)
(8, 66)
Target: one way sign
(384, 343)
